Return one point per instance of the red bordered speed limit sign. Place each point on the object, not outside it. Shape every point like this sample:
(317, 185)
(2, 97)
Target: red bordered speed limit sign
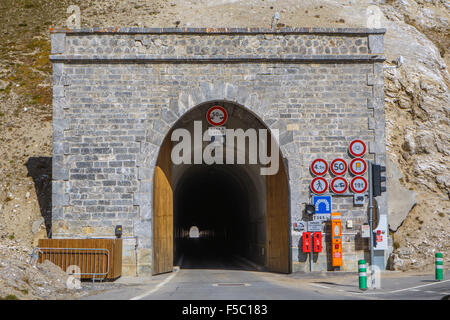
(359, 184)
(357, 148)
(358, 166)
(319, 185)
(339, 185)
(319, 167)
(338, 167)
(216, 116)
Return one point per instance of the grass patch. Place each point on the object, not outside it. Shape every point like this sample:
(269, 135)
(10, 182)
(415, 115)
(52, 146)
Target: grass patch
(31, 73)
(10, 297)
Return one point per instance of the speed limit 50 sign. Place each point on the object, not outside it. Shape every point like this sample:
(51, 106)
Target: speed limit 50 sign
(338, 167)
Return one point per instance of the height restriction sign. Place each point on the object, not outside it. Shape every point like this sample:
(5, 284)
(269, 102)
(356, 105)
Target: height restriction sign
(319, 167)
(357, 148)
(359, 184)
(338, 185)
(319, 185)
(338, 167)
(358, 166)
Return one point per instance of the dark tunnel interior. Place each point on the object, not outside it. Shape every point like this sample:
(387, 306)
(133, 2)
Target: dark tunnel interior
(215, 199)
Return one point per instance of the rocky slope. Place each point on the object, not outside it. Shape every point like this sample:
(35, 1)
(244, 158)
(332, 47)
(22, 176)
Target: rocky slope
(417, 100)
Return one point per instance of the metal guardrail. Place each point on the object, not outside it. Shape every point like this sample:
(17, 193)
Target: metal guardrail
(84, 262)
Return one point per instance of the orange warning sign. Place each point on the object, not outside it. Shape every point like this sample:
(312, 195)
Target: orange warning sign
(336, 239)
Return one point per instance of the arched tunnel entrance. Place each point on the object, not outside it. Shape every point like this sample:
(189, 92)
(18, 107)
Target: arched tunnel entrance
(242, 216)
(220, 201)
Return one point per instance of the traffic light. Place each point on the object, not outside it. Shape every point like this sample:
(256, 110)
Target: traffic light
(377, 238)
(377, 179)
(374, 239)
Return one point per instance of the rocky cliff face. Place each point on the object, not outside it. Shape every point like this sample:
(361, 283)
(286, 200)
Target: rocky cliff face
(417, 100)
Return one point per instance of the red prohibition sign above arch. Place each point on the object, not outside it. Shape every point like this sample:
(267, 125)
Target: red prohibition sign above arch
(315, 185)
(357, 188)
(209, 115)
(340, 165)
(354, 163)
(339, 179)
(323, 164)
(357, 148)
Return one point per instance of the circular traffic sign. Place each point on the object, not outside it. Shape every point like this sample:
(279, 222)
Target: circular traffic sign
(358, 166)
(319, 167)
(338, 167)
(319, 185)
(339, 185)
(359, 184)
(357, 148)
(216, 116)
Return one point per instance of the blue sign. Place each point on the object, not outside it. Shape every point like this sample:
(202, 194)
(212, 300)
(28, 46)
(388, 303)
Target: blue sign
(322, 204)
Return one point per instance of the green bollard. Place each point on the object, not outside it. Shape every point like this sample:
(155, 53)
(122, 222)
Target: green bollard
(439, 267)
(362, 274)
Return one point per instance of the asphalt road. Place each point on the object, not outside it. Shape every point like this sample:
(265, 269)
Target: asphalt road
(234, 280)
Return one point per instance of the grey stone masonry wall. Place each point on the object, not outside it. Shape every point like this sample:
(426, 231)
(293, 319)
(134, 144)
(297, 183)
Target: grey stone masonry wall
(117, 92)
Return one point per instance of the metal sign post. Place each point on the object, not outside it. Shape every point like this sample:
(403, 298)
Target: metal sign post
(371, 224)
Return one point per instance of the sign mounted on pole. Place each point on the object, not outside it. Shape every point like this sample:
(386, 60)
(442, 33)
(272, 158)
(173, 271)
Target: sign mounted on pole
(339, 185)
(216, 116)
(319, 185)
(357, 148)
(319, 167)
(359, 184)
(358, 167)
(338, 167)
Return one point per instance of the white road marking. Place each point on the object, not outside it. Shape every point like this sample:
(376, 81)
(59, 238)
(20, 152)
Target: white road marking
(406, 289)
(158, 286)
(320, 286)
(424, 285)
(225, 284)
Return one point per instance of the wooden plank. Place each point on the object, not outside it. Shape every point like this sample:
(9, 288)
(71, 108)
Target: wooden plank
(163, 212)
(277, 223)
(88, 262)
